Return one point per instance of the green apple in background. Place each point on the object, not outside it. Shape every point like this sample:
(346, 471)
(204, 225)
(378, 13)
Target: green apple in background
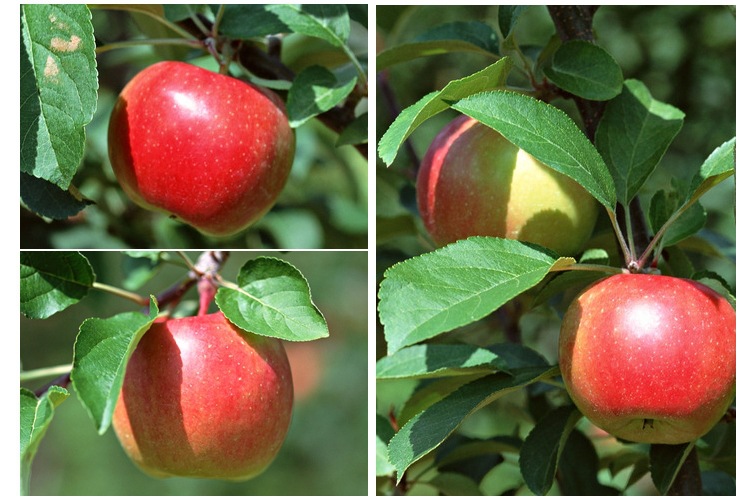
(650, 358)
(203, 398)
(472, 181)
(209, 149)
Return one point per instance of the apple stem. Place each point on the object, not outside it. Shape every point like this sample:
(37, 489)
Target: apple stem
(149, 41)
(620, 237)
(59, 370)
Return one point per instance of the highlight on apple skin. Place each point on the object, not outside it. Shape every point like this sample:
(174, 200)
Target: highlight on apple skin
(474, 182)
(209, 149)
(203, 398)
(650, 358)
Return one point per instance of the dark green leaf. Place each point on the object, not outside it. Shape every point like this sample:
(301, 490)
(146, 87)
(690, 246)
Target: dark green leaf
(579, 468)
(666, 460)
(545, 132)
(414, 50)
(100, 355)
(52, 281)
(543, 447)
(633, 135)
(58, 89)
(428, 429)
(435, 102)
(358, 12)
(272, 298)
(49, 200)
(662, 207)
(507, 17)
(586, 70)
(249, 21)
(355, 133)
(315, 90)
(35, 416)
(455, 285)
(473, 32)
(718, 483)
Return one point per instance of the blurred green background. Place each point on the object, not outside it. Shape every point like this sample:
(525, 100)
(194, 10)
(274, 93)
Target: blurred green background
(325, 452)
(323, 205)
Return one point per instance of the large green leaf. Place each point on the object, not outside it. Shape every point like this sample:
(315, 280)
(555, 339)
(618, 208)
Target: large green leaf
(545, 132)
(435, 102)
(428, 429)
(52, 281)
(586, 70)
(455, 285)
(58, 89)
(35, 416)
(100, 355)
(272, 298)
(633, 135)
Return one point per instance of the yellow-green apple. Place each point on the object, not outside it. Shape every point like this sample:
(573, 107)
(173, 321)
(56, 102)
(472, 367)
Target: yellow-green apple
(203, 398)
(209, 149)
(473, 181)
(650, 358)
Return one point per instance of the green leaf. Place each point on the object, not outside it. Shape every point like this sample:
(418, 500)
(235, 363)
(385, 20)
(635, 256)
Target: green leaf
(507, 17)
(543, 447)
(355, 133)
(473, 32)
(663, 205)
(49, 200)
(455, 285)
(461, 36)
(329, 22)
(384, 433)
(246, 21)
(35, 417)
(139, 267)
(100, 355)
(633, 135)
(586, 70)
(58, 89)
(715, 169)
(579, 468)
(315, 90)
(666, 461)
(272, 299)
(436, 360)
(435, 102)
(52, 281)
(428, 429)
(545, 132)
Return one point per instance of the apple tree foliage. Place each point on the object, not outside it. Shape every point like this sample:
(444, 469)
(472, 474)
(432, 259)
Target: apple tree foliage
(76, 58)
(270, 297)
(469, 396)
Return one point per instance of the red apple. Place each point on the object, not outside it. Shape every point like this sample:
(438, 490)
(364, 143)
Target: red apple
(473, 181)
(203, 398)
(212, 150)
(650, 358)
